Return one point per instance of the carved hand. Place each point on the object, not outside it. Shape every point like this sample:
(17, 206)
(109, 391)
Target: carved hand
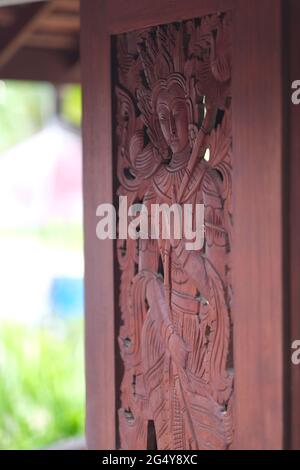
(159, 312)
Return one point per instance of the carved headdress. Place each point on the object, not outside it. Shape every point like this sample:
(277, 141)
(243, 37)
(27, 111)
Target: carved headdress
(164, 60)
(193, 56)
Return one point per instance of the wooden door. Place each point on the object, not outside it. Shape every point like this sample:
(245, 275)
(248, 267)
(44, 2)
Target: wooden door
(184, 102)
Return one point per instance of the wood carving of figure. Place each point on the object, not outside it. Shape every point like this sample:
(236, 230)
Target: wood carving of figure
(176, 304)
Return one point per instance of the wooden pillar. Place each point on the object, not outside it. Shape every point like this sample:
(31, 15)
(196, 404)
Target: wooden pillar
(292, 217)
(258, 211)
(265, 192)
(99, 256)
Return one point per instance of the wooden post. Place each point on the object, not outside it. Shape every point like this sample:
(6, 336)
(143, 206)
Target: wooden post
(266, 254)
(258, 209)
(99, 256)
(292, 218)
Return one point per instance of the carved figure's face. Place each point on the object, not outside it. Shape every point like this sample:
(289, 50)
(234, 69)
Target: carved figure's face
(173, 117)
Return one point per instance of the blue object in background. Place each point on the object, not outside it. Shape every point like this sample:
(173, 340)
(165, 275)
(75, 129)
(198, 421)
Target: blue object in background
(66, 297)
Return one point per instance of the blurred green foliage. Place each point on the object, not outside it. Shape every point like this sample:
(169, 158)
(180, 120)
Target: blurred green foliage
(41, 384)
(62, 236)
(25, 107)
(71, 104)
(41, 368)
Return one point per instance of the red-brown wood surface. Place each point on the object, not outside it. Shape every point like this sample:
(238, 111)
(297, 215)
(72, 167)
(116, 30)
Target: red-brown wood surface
(99, 257)
(141, 14)
(293, 217)
(258, 207)
(173, 106)
(258, 254)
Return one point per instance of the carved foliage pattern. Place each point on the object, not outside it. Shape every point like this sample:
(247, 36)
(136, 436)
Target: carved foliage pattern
(173, 132)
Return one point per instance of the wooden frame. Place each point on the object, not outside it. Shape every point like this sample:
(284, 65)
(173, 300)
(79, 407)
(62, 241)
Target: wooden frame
(259, 201)
(292, 220)
(258, 190)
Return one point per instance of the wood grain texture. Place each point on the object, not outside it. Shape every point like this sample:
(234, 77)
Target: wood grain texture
(173, 106)
(293, 217)
(258, 205)
(146, 13)
(99, 256)
(258, 264)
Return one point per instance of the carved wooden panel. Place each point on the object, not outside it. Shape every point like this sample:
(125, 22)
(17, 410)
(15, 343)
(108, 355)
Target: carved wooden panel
(174, 144)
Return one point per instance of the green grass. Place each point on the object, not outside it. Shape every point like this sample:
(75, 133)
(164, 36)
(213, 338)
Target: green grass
(41, 384)
(63, 236)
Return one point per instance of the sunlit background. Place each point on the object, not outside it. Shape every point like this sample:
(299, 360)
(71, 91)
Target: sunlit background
(41, 265)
